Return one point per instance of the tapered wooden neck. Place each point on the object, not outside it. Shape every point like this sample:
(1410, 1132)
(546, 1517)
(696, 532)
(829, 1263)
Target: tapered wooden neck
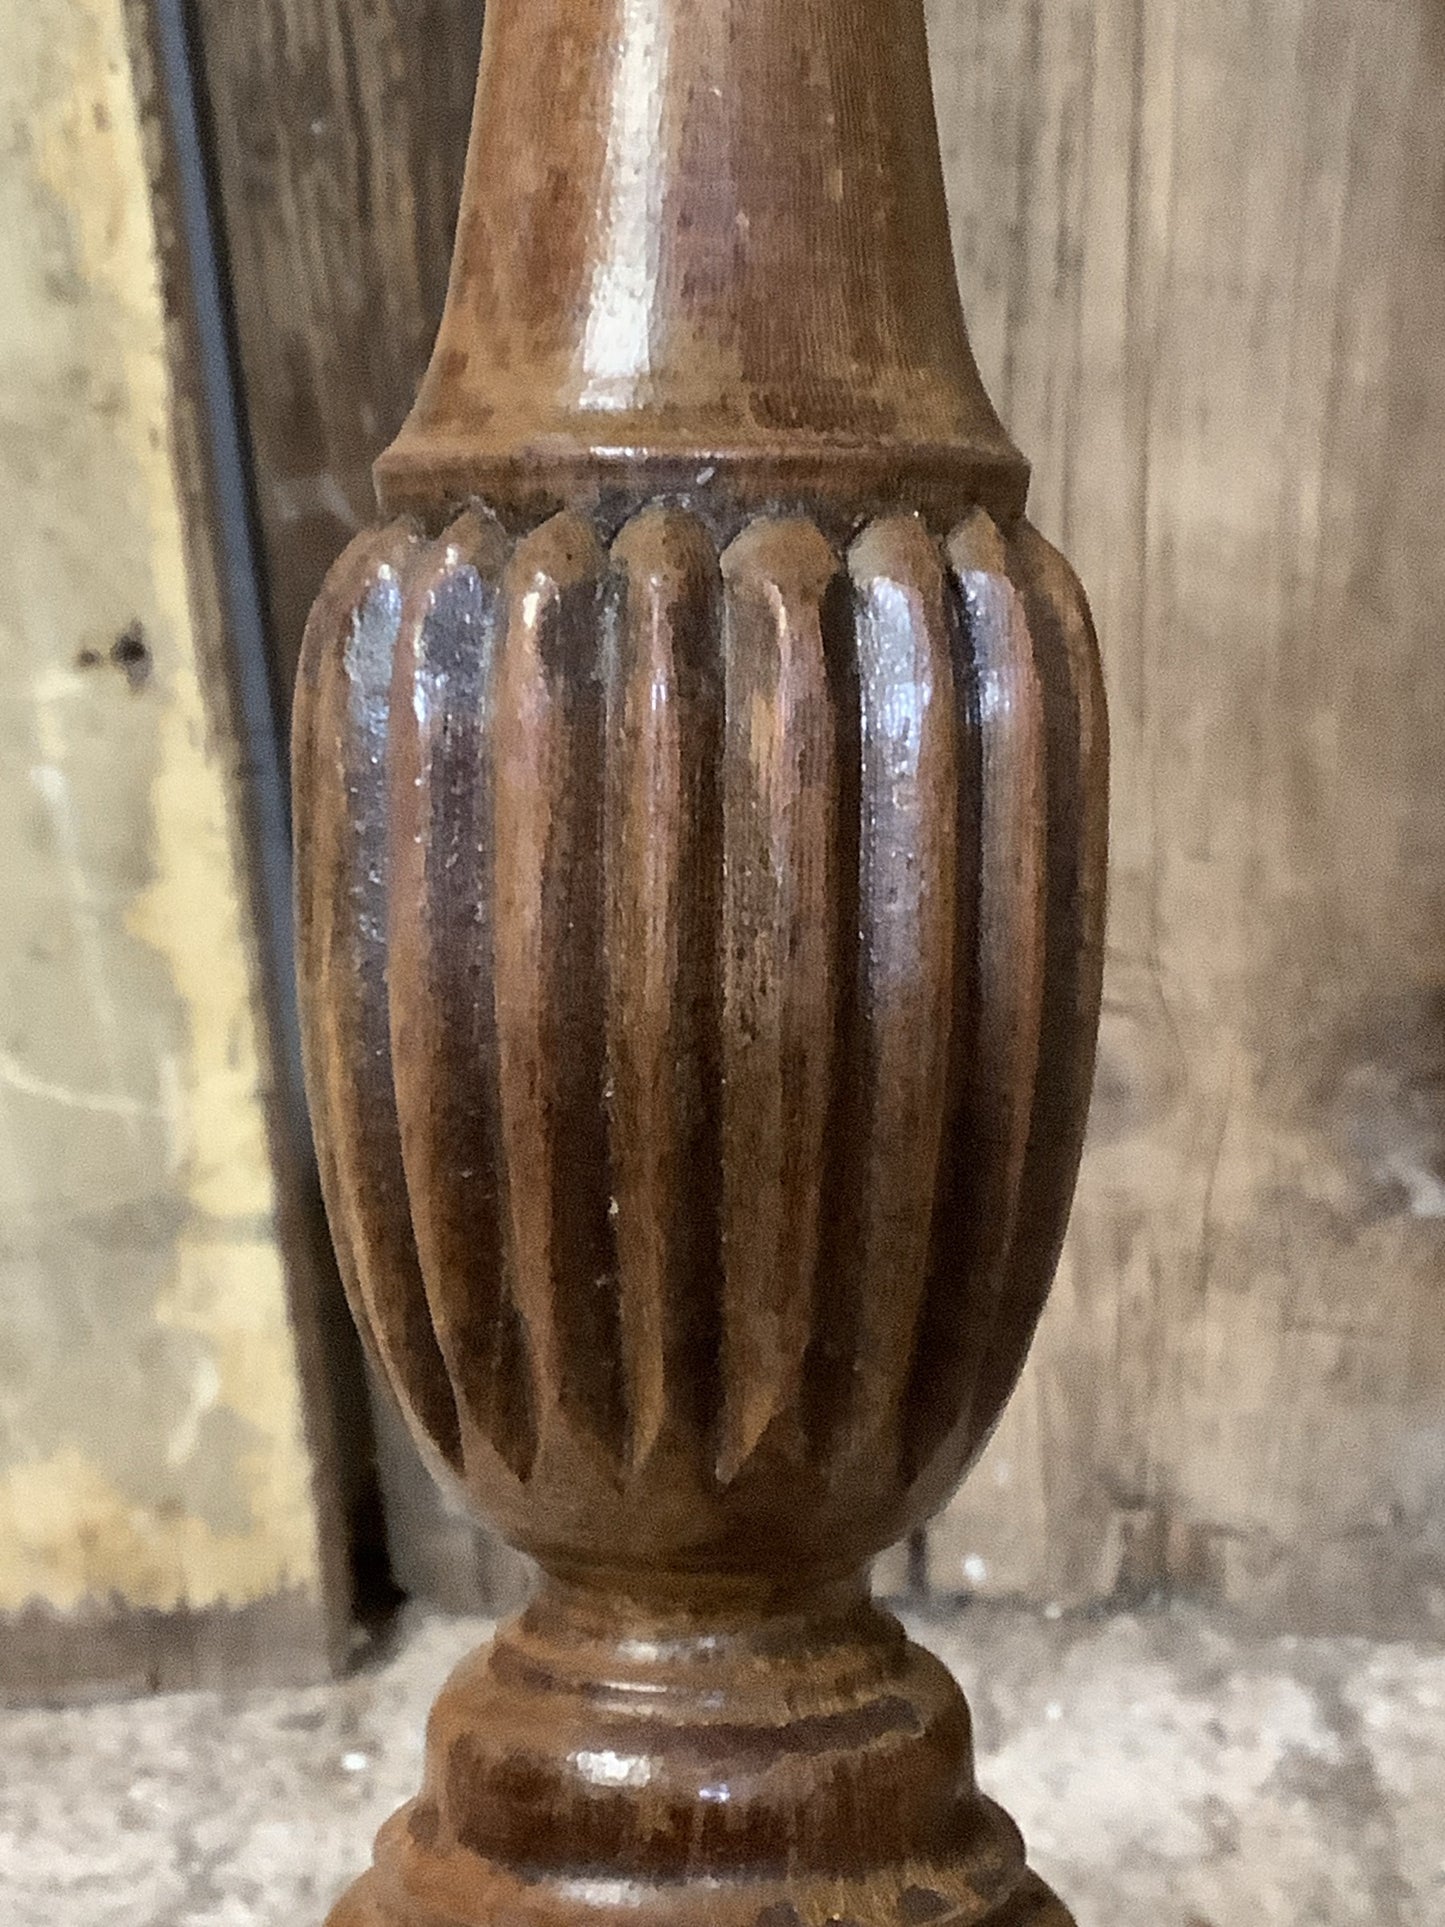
(702, 231)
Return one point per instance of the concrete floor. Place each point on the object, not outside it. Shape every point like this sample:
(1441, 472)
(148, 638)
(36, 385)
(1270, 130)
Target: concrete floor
(1165, 1774)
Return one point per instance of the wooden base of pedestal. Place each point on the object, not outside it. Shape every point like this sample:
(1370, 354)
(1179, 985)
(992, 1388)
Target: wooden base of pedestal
(932, 1897)
(921, 1896)
(599, 1766)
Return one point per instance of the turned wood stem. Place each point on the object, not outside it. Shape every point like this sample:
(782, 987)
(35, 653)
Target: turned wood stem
(702, 234)
(700, 790)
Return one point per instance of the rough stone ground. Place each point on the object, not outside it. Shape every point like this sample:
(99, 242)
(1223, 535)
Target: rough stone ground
(1166, 1773)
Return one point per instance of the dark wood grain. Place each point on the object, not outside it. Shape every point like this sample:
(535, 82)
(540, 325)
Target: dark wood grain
(338, 130)
(723, 982)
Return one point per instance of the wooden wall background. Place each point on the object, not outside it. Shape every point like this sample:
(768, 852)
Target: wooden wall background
(1203, 252)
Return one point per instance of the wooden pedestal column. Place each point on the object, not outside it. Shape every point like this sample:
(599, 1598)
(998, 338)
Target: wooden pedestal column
(700, 788)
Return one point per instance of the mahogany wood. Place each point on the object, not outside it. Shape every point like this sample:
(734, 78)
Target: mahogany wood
(701, 816)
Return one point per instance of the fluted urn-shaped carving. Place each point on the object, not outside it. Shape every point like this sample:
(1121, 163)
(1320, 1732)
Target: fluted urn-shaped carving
(700, 952)
(700, 796)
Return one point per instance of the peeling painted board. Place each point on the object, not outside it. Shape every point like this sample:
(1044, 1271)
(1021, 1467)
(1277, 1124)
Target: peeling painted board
(153, 1448)
(1204, 267)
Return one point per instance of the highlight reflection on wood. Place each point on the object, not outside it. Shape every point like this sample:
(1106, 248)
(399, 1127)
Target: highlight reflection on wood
(700, 801)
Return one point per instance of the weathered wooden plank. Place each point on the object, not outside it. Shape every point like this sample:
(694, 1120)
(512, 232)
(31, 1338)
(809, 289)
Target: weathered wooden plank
(1210, 311)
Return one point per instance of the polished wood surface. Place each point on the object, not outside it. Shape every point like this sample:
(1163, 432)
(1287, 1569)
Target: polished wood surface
(650, 186)
(700, 791)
